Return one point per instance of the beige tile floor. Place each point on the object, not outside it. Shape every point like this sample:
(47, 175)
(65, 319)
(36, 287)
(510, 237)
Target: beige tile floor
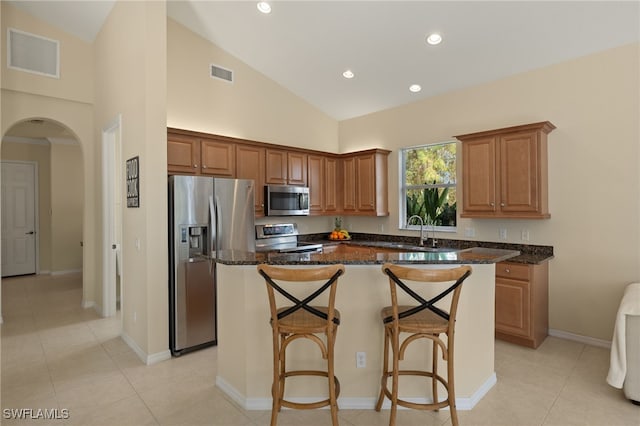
(58, 355)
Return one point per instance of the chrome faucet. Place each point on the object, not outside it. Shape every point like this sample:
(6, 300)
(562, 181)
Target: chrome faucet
(434, 242)
(420, 241)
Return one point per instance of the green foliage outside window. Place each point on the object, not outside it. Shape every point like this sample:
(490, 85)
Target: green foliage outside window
(429, 186)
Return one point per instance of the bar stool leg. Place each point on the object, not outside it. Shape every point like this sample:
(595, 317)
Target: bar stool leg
(275, 386)
(450, 382)
(332, 382)
(395, 347)
(434, 370)
(385, 370)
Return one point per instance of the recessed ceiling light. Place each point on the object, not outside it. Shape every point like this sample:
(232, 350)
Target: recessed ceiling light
(348, 74)
(415, 88)
(264, 7)
(434, 39)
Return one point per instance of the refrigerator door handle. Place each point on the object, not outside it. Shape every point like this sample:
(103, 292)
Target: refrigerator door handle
(213, 233)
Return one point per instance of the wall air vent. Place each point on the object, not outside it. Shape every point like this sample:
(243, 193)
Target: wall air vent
(33, 53)
(221, 73)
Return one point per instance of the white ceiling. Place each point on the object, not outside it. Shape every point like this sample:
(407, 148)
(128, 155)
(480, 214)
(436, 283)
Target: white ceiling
(306, 45)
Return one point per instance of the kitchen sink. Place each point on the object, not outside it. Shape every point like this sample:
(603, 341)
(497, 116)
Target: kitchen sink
(408, 247)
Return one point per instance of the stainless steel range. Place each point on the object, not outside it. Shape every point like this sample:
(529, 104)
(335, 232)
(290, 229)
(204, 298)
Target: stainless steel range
(282, 237)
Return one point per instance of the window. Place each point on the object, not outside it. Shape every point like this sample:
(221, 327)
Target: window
(428, 179)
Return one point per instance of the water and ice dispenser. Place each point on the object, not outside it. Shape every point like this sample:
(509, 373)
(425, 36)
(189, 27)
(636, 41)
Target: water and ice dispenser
(193, 241)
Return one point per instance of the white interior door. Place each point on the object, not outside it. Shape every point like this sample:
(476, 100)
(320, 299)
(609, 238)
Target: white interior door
(19, 226)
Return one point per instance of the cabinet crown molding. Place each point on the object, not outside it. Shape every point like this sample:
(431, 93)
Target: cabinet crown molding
(543, 126)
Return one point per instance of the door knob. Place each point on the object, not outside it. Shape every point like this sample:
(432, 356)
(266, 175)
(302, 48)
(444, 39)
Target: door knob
(29, 233)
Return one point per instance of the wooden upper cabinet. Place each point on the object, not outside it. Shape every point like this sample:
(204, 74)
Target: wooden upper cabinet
(276, 167)
(331, 179)
(250, 162)
(218, 158)
(296, 168)
(286, 167)
(364, 176)
(316, 179)
(504, 172)
(194, 155)
(349, 181)
(183, 154)
(353, 183)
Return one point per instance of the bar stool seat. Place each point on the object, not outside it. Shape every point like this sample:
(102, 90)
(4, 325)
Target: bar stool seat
(301, 320)
(423, 320)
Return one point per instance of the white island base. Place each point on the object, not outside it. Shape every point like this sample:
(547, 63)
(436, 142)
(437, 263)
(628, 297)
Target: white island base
(245, 349)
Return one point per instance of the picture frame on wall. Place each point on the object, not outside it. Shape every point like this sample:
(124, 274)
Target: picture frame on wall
(133, 182)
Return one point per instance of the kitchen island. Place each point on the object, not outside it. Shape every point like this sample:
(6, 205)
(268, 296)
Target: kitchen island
(244, 334)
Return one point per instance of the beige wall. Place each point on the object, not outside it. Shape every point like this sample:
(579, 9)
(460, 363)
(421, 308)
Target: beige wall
(76, 67)
(64, 100)
(67, 200)
(594, 183)
(130, 64)
(252, 107)
(40, 154)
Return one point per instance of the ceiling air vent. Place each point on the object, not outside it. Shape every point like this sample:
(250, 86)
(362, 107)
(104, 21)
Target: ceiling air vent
(221, 73)
(33, 53)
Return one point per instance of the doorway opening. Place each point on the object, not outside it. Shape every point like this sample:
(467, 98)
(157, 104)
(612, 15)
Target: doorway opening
(42, 199)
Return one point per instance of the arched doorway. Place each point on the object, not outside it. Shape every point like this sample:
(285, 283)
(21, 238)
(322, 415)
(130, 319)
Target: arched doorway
(54, 152)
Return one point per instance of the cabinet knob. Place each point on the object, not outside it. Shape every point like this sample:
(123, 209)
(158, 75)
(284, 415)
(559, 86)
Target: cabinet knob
(507, 270)
(501, 204)
(492, 204)
(195, 166)
(204, 167)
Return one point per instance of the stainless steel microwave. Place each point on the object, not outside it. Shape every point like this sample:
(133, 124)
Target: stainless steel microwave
(286, 200)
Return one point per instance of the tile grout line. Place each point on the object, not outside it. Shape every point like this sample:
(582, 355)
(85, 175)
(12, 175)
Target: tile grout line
(555, 400)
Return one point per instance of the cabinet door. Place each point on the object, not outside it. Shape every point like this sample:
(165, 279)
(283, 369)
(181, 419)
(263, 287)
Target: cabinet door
(250, 165)
(183, 154)
(296, 168)
(218, 158)
(366, 183)
(276, 167)
(479, 175)
(519, 170)
(316, 181)
(330, 184)
(349, 181)
(512, 306)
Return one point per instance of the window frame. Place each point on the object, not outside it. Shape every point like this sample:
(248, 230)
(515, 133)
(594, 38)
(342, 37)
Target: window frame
(403, 188)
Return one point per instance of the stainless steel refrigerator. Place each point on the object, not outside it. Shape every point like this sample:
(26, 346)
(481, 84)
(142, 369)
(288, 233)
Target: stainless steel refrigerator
(207, 216)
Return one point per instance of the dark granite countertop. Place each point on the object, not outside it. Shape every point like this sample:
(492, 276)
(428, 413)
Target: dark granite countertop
(529, 253)
(371, 256)
(378, 249)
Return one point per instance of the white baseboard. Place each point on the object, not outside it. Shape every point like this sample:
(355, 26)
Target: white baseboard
(87, 304)
(147, 359)
(68, 271)
(462, 404)
(592, 341)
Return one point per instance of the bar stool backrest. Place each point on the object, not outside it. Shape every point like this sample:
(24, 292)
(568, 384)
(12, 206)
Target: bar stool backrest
(324, 278)
(398, 273)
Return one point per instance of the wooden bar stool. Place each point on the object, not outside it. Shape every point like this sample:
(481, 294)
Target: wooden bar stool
(302, 320)
(421, 320)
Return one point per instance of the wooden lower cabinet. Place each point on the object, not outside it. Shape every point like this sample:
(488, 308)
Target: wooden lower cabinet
(522, 303)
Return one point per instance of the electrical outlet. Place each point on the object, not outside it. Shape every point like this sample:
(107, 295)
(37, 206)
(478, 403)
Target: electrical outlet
(361, 359)
(503, 233)
(135, 317)
(382, 227)
(524, 235)
(469, 232)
